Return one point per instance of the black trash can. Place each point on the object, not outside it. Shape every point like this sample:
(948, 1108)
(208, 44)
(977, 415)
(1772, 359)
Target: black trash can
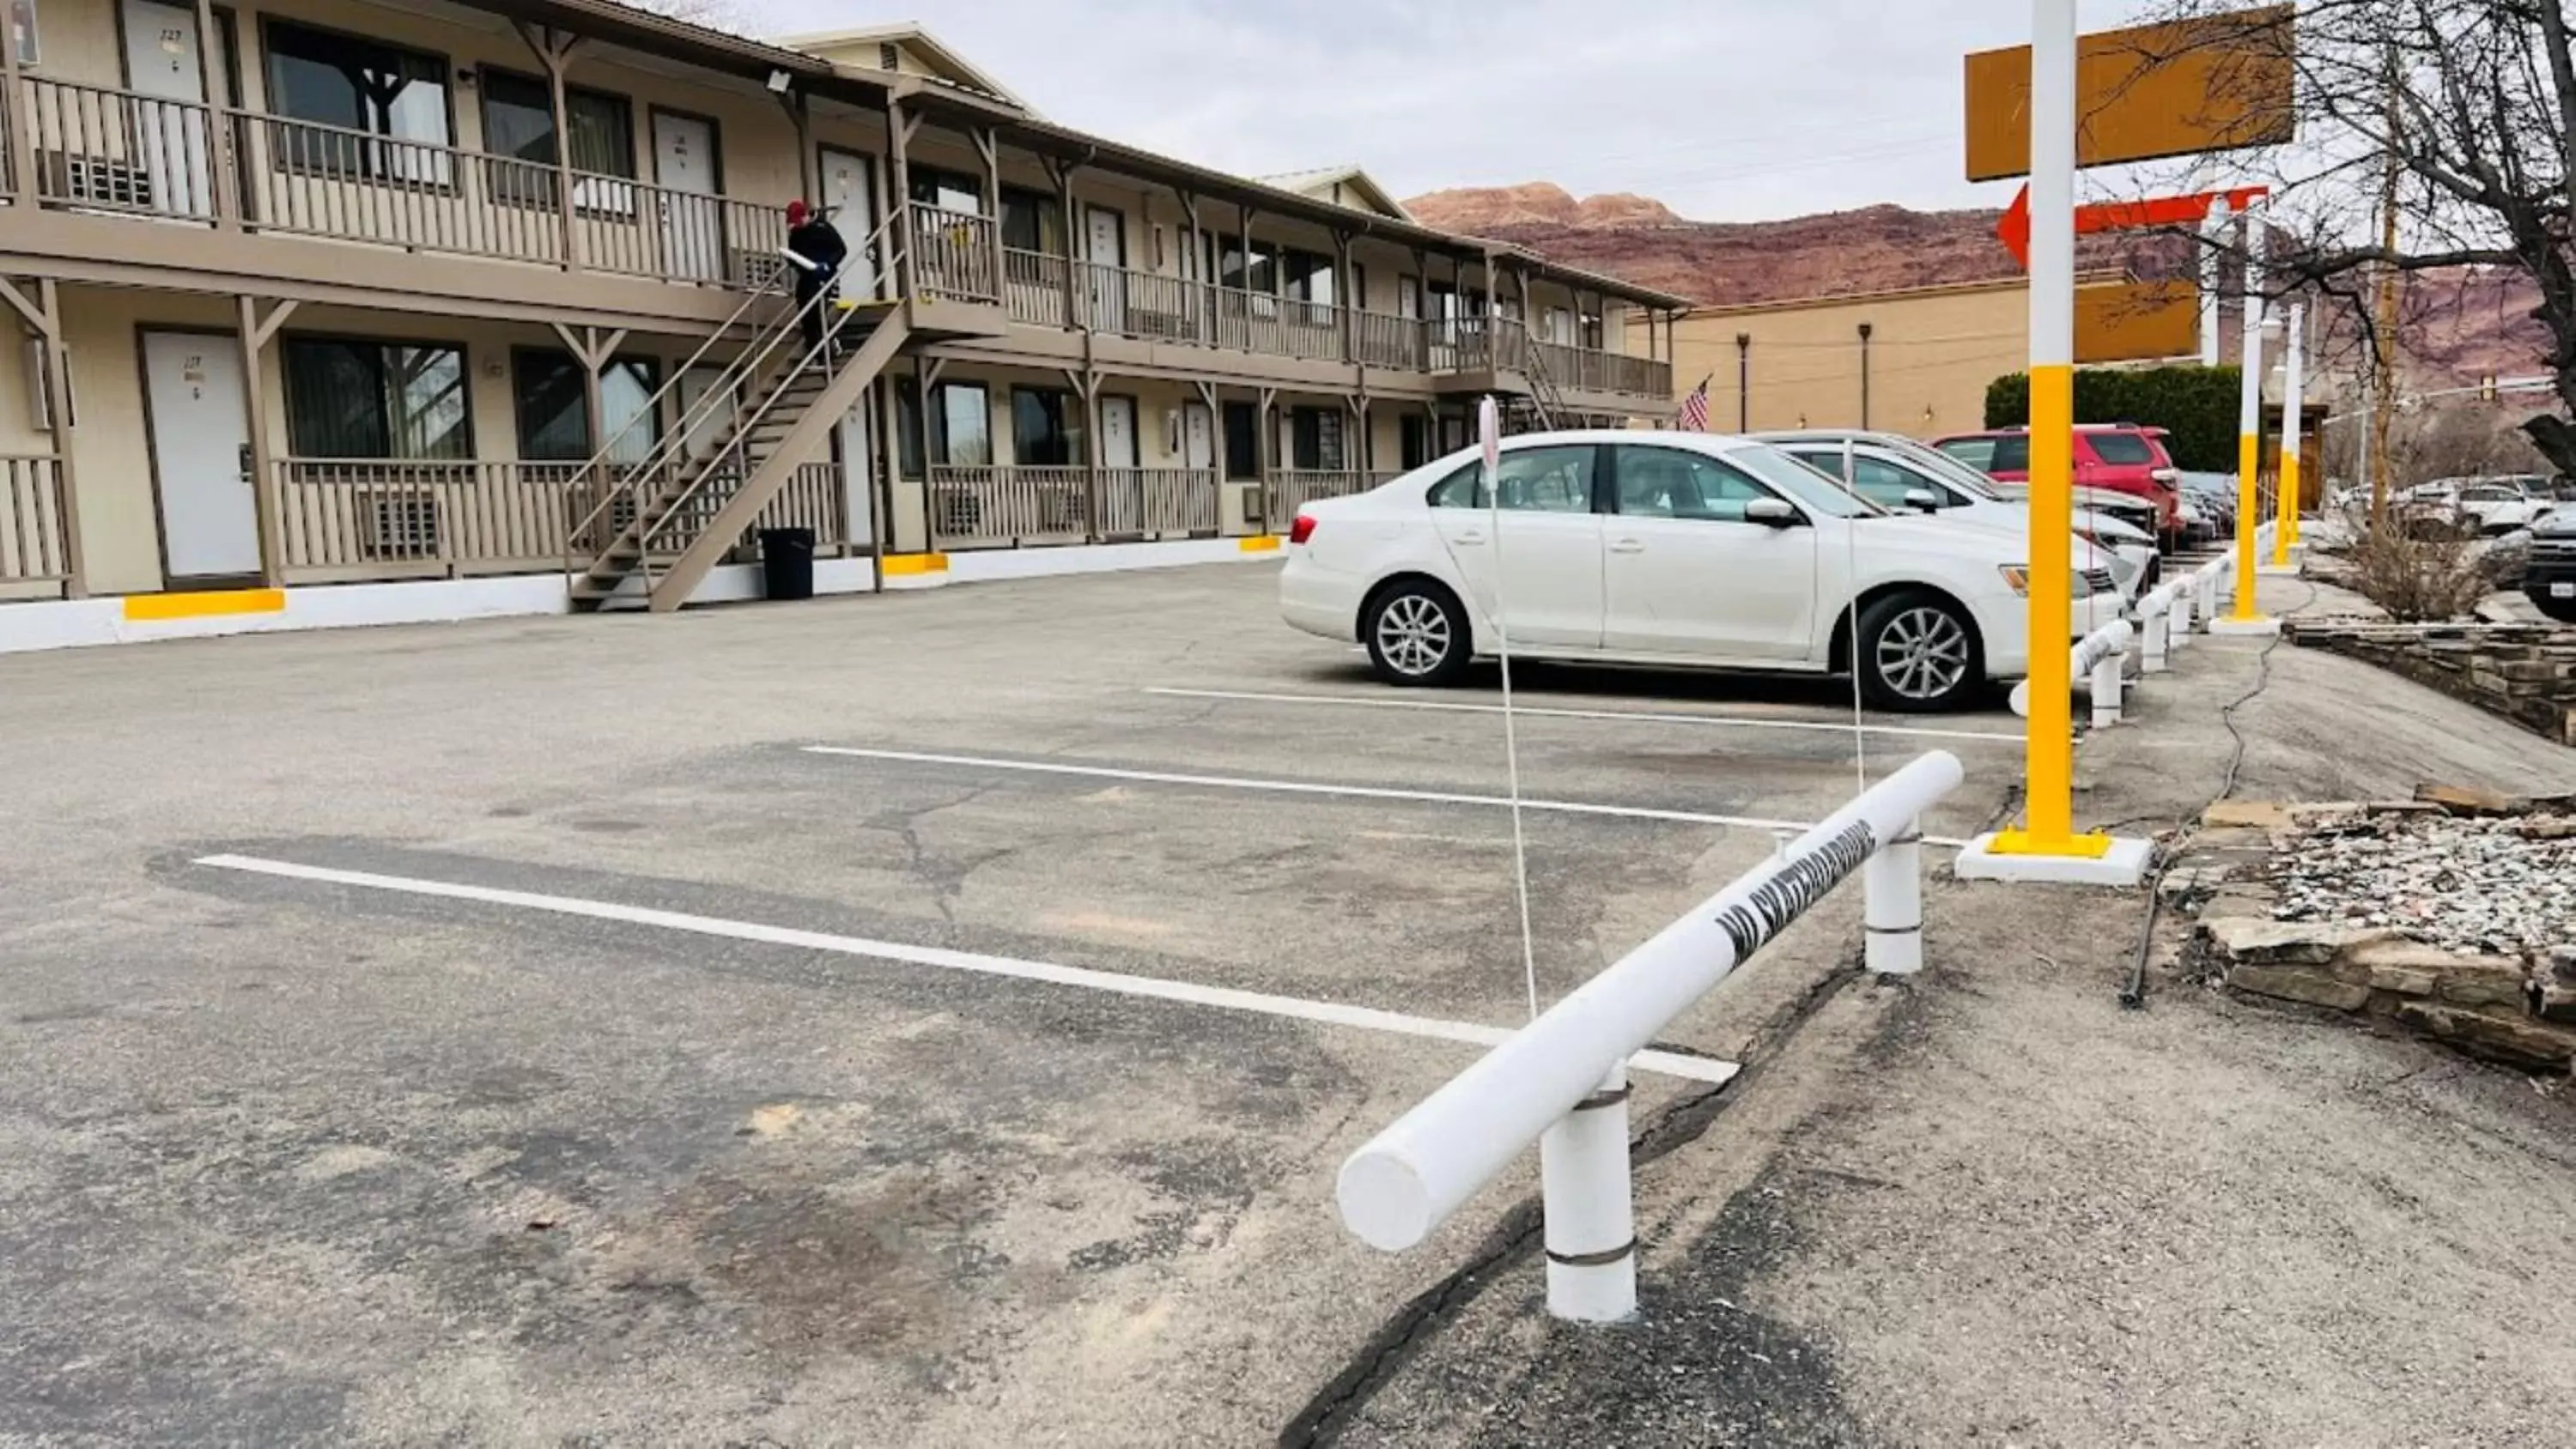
(787, 563)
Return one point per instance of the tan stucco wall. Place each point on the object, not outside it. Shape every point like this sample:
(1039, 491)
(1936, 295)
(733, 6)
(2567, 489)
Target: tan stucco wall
(1931, 355)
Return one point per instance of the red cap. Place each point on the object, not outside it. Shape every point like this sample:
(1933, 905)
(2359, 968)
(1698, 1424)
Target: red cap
(797, 212)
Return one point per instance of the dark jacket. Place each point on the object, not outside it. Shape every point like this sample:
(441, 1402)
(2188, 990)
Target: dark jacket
(819, 242)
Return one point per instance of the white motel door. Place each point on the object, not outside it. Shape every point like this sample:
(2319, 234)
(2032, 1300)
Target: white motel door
(170, 130)
(1105, 239)
(849, 195)
(684, 162)
(201, 455)
(1117, 432)
(1198, 437)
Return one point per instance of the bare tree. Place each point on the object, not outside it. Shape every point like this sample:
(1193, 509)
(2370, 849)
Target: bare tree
(724, 15)
(2465, 111)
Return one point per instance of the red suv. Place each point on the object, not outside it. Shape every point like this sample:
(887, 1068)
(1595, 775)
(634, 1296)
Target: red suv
(2122, 457)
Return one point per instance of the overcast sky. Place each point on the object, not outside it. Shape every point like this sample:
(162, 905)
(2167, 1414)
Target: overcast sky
(1725, 110)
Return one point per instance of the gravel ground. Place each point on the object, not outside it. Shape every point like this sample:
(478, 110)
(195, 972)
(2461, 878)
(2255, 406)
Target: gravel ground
(2489, 885)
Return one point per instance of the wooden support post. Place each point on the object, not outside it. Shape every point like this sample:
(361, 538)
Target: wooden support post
(899, 134)
(1061, 174)
(1342, 289)
(222, 172)
(890, 473)
(44, 319)
(800, 114)
(21, 117)
(1265, 435)
(1085, 381)
(553, 49)
(255, 331)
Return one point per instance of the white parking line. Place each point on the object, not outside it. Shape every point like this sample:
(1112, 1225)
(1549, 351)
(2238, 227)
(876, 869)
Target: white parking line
(1308, 787)
(1645, 716)
(1328, 1013)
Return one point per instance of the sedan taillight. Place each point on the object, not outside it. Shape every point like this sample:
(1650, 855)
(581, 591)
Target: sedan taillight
(1303, 529)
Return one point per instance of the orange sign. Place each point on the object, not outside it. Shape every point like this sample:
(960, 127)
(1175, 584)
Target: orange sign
(2014, 230)
(2136, 321)
(2217, 83)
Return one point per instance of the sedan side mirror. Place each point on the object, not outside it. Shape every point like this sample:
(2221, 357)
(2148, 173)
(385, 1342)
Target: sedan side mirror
(1922, 500)
(1773, 513)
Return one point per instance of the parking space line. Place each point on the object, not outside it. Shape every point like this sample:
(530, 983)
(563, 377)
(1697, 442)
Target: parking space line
(1224, 998)
(1551, 712)
(1309, 787)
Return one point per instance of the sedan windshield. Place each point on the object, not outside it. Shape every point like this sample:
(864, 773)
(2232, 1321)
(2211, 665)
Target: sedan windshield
(1944, 467)
(1823, 494)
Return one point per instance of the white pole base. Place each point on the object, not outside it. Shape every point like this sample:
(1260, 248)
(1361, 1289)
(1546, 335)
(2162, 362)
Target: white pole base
(2230, 627)
(2124, 865)
(1589, 1216)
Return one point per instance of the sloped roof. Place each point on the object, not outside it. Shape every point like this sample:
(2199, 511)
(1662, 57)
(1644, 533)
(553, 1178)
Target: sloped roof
(913, 36)
(1333, 183)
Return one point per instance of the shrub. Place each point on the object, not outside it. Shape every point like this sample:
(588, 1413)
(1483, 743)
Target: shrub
(2419, 579)
(2199, 406)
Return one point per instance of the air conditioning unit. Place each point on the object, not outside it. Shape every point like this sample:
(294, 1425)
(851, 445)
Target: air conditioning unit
(401, 526)
(100, 181)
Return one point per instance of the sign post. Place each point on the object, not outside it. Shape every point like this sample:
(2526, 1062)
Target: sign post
(2293, 367)
(2209, 84)
(2246, 617)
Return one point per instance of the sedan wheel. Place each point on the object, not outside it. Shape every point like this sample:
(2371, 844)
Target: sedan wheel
(1416, 636)
(1918, 654)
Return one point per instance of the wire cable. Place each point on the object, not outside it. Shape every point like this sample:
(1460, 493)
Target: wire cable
(1511, 732)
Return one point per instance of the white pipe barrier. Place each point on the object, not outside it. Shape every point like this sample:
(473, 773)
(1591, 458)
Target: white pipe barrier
(1562, 1080)
(2155, 625)
(2178, 594)
(2096, 660)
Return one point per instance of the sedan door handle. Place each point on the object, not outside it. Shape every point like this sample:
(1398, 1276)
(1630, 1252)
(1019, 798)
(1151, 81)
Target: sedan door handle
(1469, 540)
(1628, 545)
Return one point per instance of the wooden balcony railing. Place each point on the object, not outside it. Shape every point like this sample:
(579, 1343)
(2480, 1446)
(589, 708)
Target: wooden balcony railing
(32, 545)
(1383, 341)
(954, 255)
(986, 507)
(1139, 304)
(1033, 287)
(329, 181)
(101, 149)
(1157, 503)
(358, 517)
(1290, 489)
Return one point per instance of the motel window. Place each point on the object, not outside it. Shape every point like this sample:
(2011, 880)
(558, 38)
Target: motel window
(519, 122)
(965, 425)
(1413, 441)
(1242, 441)
(1032, 221)
(357, 85)
(947, 190)
(1046, 428)
(554, 409)
(1315, 439)
(347, 398)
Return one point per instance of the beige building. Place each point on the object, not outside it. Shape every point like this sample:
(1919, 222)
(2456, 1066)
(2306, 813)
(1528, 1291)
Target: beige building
(328, 291)
(1916, 361)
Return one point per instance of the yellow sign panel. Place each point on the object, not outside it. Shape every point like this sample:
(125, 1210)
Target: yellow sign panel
(2136, 321)
(2217, 83)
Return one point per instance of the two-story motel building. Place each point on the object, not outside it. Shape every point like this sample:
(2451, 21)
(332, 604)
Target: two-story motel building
(322, 293)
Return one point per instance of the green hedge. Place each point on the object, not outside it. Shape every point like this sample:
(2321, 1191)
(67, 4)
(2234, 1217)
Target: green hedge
(2198, 405)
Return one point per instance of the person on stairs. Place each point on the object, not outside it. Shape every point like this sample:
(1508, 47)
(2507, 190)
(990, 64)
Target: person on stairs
(816, 252)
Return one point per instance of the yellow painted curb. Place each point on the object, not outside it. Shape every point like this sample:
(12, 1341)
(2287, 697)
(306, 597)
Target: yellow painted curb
(1265, 543)
(151, 608)
(900, 565)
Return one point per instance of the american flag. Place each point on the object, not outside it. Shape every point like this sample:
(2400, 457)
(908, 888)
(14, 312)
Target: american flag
(1695, 408)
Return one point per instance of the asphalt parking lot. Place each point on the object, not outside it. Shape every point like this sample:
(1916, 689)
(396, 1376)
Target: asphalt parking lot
(924, 1019)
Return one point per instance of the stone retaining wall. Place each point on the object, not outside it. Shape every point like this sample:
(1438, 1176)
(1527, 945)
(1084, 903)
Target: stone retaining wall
(2524, 672)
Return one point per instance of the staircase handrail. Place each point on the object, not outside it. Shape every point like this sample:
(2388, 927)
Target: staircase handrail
(728, 385)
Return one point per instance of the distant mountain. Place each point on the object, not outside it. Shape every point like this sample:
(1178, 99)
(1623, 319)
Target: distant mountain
(2458, 325)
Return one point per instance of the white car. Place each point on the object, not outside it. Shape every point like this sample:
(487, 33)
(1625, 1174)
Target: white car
(1900, 474)
(1666, 549)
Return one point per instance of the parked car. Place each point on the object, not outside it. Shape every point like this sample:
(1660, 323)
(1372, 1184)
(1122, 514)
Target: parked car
(2485, 506)
(1900, 474)
(1668, 549)
(2213, 496)
(2549, 570)
(2117, 457)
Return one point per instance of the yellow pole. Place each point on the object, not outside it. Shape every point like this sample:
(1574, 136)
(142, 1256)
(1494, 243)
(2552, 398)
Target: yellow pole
(2293, 390)
(2249, 426)
(2049, 821)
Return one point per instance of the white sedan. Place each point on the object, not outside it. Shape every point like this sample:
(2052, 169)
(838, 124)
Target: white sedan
(1668, 549)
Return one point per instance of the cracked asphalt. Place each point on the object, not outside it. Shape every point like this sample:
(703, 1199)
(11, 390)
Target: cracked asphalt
(284, 1161)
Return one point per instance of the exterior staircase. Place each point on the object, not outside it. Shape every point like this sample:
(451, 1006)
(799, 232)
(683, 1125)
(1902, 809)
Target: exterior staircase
(677, 517)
